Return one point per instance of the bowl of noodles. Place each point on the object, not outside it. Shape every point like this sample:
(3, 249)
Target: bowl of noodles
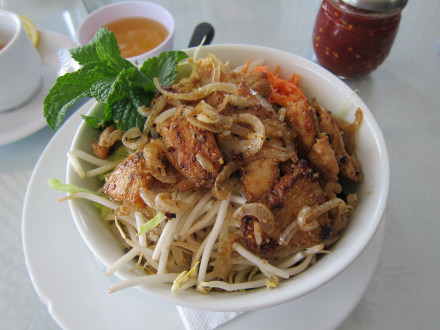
(257, 178)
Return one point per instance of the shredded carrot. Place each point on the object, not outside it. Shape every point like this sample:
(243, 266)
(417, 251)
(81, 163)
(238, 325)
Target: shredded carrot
(246, 67)
(283, 91)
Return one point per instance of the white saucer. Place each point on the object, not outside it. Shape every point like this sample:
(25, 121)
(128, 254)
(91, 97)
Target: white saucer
(69, 280)
(29, 118)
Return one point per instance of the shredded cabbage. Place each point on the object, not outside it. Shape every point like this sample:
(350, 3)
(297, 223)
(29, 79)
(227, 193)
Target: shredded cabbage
(152, 223)
(70, 188)
(344, 108)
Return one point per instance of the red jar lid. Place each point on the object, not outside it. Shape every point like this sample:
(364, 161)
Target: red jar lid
(377, 5)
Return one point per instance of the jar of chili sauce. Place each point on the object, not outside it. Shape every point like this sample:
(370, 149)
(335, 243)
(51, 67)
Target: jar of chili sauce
(351, 38)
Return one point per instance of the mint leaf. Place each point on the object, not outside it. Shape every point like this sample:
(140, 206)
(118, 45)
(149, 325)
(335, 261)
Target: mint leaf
(98, 122)
(164, 67)
(110, 79)
(125, 114)
(102, 48)
(70, 88)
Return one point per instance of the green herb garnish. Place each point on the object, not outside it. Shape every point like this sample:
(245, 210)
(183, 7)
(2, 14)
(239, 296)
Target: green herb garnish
(109, 78)
(152, 223)
(70, 188)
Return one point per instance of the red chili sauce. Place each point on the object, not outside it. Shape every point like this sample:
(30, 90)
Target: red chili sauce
(352, 42)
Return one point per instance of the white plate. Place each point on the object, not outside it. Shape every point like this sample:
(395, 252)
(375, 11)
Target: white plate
(69, 280)
(29, 118)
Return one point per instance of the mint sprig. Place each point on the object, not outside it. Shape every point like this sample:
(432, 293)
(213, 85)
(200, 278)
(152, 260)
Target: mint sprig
(109, 78)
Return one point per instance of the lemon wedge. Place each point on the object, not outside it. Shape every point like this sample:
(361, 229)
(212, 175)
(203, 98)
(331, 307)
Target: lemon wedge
(30, 29)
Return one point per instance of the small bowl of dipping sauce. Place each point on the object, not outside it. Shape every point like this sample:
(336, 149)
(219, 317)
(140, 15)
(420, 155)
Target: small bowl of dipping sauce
(143, 29)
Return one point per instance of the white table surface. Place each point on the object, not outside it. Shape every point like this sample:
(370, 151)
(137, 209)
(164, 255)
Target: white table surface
(403, 94)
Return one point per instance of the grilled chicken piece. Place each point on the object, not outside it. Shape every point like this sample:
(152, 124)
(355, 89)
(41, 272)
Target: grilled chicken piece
(107, 139)
(301, 118)
(289, 195)
(258, 177)
(252, 105)
(260, 231)
(128, 177)
(322, 159)
(183, 143)
(348, 165)
(257, 82)
(311, 123)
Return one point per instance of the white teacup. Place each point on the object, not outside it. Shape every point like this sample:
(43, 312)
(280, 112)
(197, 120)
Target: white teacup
(128, 9)
(20, 63)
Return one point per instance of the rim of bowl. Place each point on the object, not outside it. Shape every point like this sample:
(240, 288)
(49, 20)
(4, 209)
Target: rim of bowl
(83, 37)
(320, 273)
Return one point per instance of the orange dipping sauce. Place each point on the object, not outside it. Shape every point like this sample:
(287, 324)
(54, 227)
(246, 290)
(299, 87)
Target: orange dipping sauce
(137, 35)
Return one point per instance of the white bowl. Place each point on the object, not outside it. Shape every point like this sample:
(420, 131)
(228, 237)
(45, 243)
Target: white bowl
(119, 10)
(330, 92)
